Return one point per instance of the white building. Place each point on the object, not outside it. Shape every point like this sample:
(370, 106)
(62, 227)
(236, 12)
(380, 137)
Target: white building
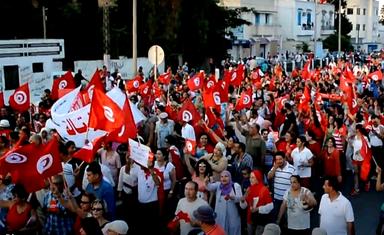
(262, 37)
(364, 16)
(298, 23)
(279, 25)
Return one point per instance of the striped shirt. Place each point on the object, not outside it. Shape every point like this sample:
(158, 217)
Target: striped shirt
(282, 180)
(339, 142)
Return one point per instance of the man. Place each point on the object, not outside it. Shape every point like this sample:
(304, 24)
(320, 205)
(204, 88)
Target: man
(376, 136)
(290, 123)
(188, 205)
(187, 131)
(205, 218)
(241, 161)
(101, 188)
(164, 127)
(336, 213)
(280, 173)
(255, 145)
(58, 219)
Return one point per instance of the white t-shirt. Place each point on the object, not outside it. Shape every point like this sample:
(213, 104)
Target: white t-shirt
(335, 215)
(300, 159)
(146, 187)
(127, 179)
(166, 170)
(188, 207)
(69, 177)
(187, 132)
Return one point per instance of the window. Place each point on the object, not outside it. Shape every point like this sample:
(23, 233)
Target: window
(363, 27)
(37, 67)
(349, 11)
(376, 11)
(358, 11)
(309, 18)
(257, 18)
(299, 17)
(11, 77)
(267, 21)
(357, 26)
(364, 11)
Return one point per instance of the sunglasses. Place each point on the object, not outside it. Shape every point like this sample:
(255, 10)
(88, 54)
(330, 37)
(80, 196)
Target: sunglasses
(97, 209)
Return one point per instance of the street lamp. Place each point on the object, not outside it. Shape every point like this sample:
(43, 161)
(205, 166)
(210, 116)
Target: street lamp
(44, 22)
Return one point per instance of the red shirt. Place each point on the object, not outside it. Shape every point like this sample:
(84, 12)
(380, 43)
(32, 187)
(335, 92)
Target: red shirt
(16, 220)
(216, 230)
(331, 163)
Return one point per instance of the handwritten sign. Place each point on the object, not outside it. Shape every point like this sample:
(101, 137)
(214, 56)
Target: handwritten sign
(139, 152)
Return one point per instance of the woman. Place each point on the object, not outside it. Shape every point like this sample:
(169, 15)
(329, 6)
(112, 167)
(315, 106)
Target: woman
(287, 144)
(203, 147)
(21, 217)
(228, 194)
(302, 159)
(298, 202)
(84, 211)
(127, 189)
(111, 159)
(168, 170)
(258, 202)
(98, 212)
(331, 160)
(217, 160)
(358, 159)
(200, 173)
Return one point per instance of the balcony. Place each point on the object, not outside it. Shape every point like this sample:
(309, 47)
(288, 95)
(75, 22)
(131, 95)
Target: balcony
(327, 30)
(305, 30)
(264, 30)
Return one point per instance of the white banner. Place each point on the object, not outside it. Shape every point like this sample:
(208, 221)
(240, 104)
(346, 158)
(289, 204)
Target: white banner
(139, 152)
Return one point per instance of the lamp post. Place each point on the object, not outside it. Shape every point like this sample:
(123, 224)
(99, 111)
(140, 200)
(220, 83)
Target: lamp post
(44, 22)
(339, 36)
(134, 37)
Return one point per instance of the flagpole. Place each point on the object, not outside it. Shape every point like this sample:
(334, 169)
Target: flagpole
(339, 33)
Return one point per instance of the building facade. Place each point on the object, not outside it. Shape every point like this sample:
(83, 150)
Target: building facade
(364, 16)
(279, 25)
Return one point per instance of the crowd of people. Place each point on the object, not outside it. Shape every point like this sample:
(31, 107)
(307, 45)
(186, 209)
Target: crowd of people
(237, 167)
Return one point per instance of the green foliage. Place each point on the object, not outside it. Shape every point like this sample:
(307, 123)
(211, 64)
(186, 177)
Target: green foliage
(195, 29)
(331, 43)
(305, 47)
(346, 25)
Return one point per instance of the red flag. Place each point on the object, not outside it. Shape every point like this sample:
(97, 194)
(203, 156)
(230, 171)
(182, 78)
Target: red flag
(344, 86)
(366, 153)
(30, 164)
(20, 101)
(210, 117)
(88, 151)
(134, 84)
(224, 85)
(210, 84)
(105, 114)
(322, 1)
(238, 75)
(304, 101)
(212, 98)
(306, 72)
(127, 130)
(165, 78)
(196, 82)
(350, 78)
(351, 100)
(188, 112)
(145, 88)
(245, 100)
(376, 76)
(65, 82)
(281, 102)
(88, 90)
(190, 146)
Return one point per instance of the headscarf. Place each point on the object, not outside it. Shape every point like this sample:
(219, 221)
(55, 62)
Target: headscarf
(227, 188)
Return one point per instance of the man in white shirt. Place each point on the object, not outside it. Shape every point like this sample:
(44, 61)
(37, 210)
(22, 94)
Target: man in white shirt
(336, 213)
(188, 205)
(187, 131)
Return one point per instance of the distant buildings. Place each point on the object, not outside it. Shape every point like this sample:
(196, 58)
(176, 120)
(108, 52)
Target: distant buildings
(281, 25)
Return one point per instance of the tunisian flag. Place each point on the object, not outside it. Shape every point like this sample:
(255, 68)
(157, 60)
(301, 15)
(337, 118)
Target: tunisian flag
(245, 100)
(88, 151)
(376, 76)
(134, 84)
(196, 82)
(366, 153)
(95, 83)
(62, 84)
(165, 78)
(190, 146)
(29, 165)
(188, 112)
(105, 114)
(127, 130)
(20, 101)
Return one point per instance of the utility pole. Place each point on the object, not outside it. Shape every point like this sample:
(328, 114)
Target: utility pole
(44, 23)
(106, 36)
(315, 32)
(134, 37)
(339, 36)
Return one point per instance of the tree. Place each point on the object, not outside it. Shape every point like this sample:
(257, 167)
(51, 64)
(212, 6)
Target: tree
(331, 43)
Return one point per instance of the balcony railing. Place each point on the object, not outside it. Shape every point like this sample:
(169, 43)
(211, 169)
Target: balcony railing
(327, 27)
